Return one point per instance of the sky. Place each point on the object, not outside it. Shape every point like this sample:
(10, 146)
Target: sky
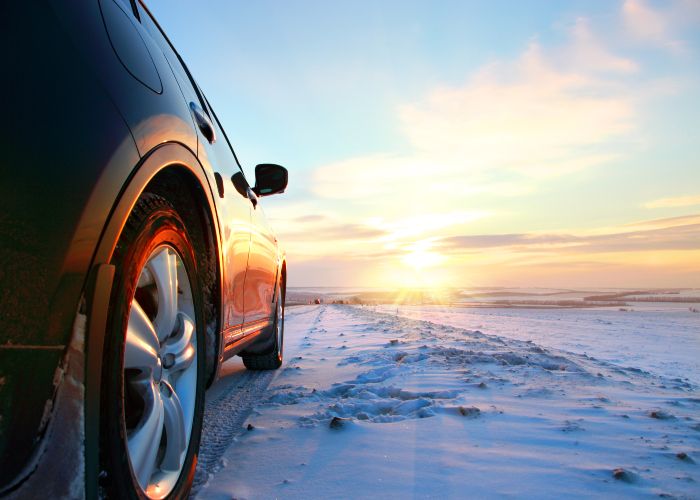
(464, 143)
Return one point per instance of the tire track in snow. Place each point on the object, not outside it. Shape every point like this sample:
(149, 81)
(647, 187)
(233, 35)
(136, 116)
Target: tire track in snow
(225, 415)
(224, 418)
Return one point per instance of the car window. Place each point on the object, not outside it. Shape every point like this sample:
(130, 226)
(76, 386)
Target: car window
(128, 6)
(182, 74)
(187, 83)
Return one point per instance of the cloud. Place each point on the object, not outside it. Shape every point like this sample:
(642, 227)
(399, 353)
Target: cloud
(375, 237)
(540, 115)
(318, 234)
(512, 123)
(660, 26)
(425, 224)
(676, 201)
(659, 252)
(660, 223)
(683, 234)
(310, 218)
(482, 241)
(334, 232)
(650, 269)
(406, 185)
(586, 51)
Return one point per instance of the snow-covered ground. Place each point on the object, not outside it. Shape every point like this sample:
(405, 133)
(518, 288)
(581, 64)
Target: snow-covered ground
(663, 339)
(370, 404)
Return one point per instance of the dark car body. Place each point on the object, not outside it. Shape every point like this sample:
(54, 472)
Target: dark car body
(97, 106)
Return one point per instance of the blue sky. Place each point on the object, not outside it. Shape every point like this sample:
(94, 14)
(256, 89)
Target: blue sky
(409, 125)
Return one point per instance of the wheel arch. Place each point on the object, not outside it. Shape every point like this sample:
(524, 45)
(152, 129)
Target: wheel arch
(172, 168)
(165, 157)
(177, 184)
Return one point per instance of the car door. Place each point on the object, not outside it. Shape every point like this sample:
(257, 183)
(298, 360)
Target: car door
(259, 283)
(236, 224)
(262, 268)
(261, 273)
(233, 205)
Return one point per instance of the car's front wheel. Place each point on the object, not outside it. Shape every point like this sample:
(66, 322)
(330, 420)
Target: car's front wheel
(153, 390)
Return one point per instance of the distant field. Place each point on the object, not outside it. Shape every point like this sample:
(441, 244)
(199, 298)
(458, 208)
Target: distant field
(688, 298)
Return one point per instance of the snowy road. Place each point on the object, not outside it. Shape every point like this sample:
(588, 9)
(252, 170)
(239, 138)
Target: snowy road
(228, 404)
(427, 410)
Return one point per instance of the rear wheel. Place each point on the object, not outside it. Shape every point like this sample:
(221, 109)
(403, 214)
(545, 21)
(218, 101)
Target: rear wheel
(271, 359)
(153, 394)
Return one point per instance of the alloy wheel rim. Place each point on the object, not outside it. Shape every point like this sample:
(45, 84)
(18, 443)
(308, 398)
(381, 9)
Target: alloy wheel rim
(160, 372)
(280, 323)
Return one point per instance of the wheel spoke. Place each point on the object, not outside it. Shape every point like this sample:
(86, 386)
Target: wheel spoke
(146, 278)
(279, 321)
(174, 429)
(143, 443)
(179, 352)
(163, 269)
(141, 350)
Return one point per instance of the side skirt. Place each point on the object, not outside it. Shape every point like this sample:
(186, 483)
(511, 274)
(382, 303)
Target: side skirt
(248, 333)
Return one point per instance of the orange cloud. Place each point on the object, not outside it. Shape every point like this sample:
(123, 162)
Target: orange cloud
(677, 201)
(677, 233)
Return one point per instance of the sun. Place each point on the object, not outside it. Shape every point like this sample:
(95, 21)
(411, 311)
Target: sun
(418, 265)
(421, 259)
(420, 255)
(423, 269)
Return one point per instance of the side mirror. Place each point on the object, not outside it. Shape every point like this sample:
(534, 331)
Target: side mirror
(270, 179)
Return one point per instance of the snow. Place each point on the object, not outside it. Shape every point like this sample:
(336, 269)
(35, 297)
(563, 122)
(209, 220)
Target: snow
(664, 340)
(370, 404)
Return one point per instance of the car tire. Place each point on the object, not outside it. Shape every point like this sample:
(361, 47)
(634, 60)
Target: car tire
(152, 396)
(271, 359)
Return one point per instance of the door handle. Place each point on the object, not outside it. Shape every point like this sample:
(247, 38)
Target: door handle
(252, 197)
(203, 122)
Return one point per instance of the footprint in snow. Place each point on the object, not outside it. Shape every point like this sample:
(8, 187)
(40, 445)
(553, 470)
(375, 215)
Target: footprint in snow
(537, 393)
(339, 423)
(623, 475)
(683, 456)
(469, 411)
(661, 415)
(572, 426)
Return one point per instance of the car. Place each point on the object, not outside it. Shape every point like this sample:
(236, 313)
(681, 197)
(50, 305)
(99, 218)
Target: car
(135, 256)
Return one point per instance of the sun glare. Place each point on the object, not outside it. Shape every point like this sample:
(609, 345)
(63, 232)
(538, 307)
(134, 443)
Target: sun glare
(420, 259)
(422, 267)
(420, 256)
